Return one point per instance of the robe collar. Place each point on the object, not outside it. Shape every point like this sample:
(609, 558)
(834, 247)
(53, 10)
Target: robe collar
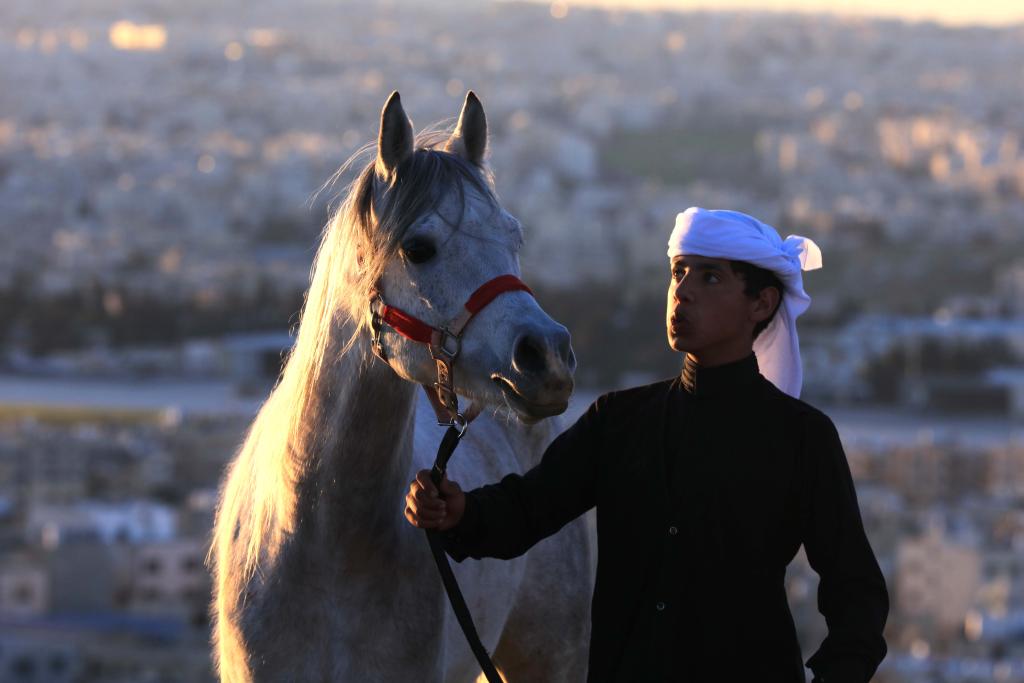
(718, 381)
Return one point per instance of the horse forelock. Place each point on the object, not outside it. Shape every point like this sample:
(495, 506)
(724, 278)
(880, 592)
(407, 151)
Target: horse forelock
(378, 212)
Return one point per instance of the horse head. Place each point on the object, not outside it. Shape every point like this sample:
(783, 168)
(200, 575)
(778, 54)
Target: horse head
(435, 233)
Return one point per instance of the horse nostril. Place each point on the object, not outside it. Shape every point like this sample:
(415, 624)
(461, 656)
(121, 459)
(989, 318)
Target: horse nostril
(528, 356)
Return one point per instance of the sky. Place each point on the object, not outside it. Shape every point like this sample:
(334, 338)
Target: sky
(955, 12)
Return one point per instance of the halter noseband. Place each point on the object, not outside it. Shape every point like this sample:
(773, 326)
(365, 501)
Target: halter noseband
(444, 342)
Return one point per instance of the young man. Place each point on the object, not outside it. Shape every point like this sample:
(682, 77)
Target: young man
(705, 485)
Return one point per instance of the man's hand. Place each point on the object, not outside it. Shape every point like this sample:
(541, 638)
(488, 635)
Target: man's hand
(425, 508)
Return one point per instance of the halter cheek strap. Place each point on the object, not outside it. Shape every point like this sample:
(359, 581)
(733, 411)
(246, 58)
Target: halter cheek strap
(444, 342)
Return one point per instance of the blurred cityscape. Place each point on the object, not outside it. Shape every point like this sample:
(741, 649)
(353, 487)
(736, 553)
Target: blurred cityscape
(160, 203)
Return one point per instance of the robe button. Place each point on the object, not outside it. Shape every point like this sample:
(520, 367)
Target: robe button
(672, 531)
(660, 607)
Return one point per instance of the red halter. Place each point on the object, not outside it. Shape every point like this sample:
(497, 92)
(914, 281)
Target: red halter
(444, 342)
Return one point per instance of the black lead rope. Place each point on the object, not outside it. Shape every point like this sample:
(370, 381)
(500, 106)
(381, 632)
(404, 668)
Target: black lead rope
(451, 586)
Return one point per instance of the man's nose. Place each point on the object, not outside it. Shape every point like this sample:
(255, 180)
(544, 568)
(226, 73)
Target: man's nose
(682, 291)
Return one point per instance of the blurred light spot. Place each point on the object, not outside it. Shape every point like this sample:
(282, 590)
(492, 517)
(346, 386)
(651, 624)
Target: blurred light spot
(207, 297)
(1002, 671)
(239, 147)
(48, 42)
(454, 87)
(50, 536)
(973, 626)
(206, 163)
(951, 80)
(823, 222)
(814, 98)
(263, 37)
(170, 261)
(125, 35)
(519, 120)
(373, 80)
(825, 131)
(25, 39)
(920, 649)
(800, 207)
(170, 417)
(939, 166)
(126, 182)
(443, 41)
(67, 240)
(853, 101)
(559, 9)
(383, 27)
(494, 61)
(675, 41)
(787, 153)
(943, 316)
(78, 39)
(234, 51)
(113, 304)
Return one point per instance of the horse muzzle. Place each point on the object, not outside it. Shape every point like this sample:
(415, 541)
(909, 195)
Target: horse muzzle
(540, 380)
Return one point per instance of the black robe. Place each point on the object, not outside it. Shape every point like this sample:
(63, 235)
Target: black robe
(705, 487)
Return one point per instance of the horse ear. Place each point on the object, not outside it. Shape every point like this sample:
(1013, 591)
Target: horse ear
(394, 144)
(470, 137)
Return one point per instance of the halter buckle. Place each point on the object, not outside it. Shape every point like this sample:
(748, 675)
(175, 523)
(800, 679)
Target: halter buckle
(445, 389)
(459, 422)
(445, 346)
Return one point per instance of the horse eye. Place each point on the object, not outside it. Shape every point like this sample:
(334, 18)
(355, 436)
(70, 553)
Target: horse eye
(418, 250)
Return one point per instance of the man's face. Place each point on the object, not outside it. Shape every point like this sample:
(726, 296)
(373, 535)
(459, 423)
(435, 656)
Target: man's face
(707, 313)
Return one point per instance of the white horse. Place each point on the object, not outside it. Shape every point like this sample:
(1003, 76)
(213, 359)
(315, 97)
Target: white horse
(318, 577)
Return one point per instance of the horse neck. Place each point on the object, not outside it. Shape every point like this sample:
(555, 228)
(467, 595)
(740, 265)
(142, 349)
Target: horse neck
(362, 470)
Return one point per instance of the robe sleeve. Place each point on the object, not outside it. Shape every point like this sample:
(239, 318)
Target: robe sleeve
(851, 593)
(506, 519)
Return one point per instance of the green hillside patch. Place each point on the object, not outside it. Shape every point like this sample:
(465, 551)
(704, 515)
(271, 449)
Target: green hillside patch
(911, 279)
(71, 415)
(708, 151)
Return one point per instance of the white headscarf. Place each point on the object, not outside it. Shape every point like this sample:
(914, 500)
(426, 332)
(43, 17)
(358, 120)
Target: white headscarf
(738, 237)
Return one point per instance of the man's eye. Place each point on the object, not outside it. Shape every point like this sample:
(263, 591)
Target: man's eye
(418, 250)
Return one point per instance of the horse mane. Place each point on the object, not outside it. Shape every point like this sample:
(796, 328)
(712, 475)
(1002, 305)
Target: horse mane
(292, 426)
